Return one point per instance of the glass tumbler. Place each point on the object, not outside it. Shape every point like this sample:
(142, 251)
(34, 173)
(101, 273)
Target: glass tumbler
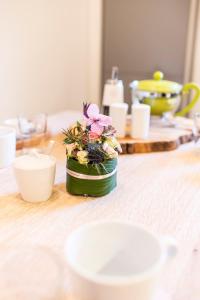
(32, 129)
(196, 128)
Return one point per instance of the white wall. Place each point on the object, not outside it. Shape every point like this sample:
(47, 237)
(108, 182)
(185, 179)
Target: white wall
(45, 55)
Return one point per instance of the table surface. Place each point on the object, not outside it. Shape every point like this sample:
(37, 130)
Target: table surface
(158, 190)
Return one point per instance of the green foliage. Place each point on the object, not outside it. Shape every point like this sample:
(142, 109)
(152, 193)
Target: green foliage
(76, 134)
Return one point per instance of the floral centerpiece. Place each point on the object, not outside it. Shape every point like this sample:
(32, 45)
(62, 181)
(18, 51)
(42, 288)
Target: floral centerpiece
(92, 151)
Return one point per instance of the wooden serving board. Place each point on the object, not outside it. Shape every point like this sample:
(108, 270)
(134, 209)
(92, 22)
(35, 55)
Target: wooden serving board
(33, 142)
(160, 139)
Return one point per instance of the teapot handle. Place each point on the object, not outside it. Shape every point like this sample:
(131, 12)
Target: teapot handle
(186, 88)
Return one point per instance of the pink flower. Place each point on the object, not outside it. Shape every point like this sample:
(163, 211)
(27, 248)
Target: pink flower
(95, 120)
(93, 136)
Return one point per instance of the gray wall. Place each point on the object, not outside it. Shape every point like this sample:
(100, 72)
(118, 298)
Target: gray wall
(141, 36)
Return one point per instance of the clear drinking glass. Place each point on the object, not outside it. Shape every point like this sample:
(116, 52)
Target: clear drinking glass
(30, 273)
(168, 120)
(32, 129)
(196, 128)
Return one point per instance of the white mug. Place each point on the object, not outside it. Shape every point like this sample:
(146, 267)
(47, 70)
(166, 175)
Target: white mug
(35, 176)
(7, 146)
(116, 260)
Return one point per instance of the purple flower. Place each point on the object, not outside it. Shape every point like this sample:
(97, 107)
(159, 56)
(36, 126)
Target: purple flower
(94, 119)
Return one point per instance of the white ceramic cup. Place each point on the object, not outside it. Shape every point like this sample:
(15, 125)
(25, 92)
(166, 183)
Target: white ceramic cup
(118, 113)
(7, 146)
(35, 176)
(116, 260)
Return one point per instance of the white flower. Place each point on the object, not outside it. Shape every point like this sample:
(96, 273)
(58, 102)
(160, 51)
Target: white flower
(105, 146)
(82, 153)
(70, 148)
(82, 157)
(113, 142)
(109, 150)
(78, 146)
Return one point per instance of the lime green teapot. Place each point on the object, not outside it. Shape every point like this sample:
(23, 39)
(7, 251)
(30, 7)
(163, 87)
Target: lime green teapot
(163, 95)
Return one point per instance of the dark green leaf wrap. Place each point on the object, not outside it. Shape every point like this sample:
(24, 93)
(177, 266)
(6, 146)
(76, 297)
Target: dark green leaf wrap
(96, 188)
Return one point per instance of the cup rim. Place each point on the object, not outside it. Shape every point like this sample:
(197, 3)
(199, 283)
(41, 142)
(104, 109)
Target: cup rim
(53, 158)
(111, 280)
(8, 131)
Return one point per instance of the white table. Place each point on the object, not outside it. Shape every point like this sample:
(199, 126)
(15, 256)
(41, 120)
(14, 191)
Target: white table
(158, 190)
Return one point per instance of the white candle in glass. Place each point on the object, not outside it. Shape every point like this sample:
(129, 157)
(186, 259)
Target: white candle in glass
(140, 121)
(118, 113)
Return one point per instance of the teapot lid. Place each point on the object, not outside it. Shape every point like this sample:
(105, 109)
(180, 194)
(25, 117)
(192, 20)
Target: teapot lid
(158, 85)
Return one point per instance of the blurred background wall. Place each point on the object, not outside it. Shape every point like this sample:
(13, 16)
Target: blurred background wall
(49, 55)
(141, 36)
(54, 54)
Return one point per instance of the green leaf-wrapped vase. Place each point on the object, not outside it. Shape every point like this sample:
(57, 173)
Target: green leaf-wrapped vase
(87, 180)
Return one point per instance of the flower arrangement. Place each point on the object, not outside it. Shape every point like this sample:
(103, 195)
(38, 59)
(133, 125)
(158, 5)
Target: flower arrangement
(92, 141)
(92, 150)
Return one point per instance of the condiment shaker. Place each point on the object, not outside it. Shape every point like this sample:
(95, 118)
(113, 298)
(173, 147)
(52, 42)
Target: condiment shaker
(113, 91)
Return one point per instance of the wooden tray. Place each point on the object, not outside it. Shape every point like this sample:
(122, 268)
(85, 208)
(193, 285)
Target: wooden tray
(160, 138)
(33, 142)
